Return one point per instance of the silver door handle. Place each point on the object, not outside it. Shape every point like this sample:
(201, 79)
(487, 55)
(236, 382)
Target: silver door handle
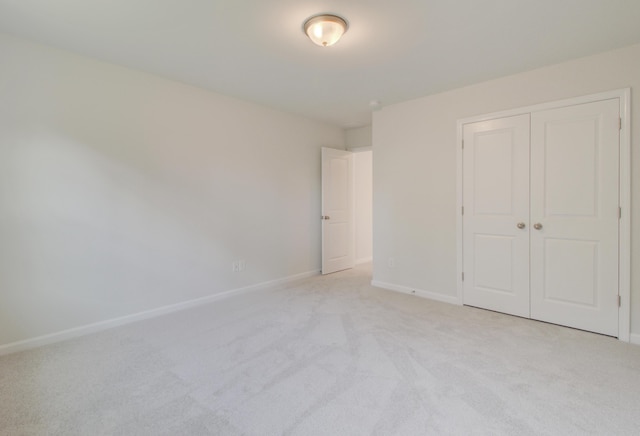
(537, 226)
(521, 225)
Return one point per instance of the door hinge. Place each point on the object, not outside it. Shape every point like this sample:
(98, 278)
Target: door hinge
(619, 213)
(619, 123)
(463, 277)
(463, 144)
(619, 301)
(462, 210)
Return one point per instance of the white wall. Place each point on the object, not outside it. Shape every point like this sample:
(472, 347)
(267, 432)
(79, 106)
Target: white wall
(121, 192)
(415, 165)
(363, 190)
(359, 141)
(359, 137)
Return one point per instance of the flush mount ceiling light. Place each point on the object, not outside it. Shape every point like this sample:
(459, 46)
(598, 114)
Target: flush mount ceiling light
(325, 29)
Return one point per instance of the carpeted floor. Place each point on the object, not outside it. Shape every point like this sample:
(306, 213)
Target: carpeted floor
(326, 356)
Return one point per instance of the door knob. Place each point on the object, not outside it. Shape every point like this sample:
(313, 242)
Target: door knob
(537, 226)
(521, 225)
(325, 217)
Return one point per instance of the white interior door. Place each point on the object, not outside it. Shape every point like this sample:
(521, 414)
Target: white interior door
(338, 238)
(496, 215)
(575, 216)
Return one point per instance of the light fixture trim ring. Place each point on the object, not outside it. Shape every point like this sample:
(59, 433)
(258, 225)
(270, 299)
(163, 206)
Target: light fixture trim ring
(320, 18)
(325, 17)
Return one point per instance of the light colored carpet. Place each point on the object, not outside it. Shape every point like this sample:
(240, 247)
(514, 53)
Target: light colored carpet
(326, 356)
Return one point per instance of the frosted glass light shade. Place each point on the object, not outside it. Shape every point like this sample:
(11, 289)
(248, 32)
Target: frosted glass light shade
(325, 30)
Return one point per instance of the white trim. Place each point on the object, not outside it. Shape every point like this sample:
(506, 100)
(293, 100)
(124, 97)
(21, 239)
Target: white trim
(354, 237)
(459, 204)
(634, 338)
(624, 271)
(618, 93)
(624, 232)
(451, 299)
(364, 260)
(360, 149)
(84, 330)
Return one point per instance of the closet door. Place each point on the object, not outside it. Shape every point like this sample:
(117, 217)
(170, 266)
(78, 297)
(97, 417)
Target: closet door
(575, 216)
(496, 215)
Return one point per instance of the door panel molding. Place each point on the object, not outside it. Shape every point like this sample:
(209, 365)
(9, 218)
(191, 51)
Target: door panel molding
(497, 249)
(574, 195)
(624, 232)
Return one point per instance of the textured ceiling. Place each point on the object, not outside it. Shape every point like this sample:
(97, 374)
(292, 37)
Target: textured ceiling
(394, 50)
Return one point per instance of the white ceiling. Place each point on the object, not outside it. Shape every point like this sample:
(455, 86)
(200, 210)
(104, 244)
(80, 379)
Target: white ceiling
(395, 50)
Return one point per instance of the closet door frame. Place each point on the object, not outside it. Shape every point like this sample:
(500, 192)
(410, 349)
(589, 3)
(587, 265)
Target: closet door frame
(624, 234)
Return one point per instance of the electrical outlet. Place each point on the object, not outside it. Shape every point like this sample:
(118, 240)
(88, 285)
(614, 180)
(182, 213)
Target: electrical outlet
(242, 264)
(236, 266)
(391, 262)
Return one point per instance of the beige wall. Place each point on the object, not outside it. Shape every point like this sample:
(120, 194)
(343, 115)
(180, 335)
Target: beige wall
(121, 192)
(415, 166)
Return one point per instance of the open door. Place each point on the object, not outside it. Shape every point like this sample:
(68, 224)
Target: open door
(338, 237)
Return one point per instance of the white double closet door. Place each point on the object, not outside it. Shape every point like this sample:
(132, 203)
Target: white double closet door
(541, 215)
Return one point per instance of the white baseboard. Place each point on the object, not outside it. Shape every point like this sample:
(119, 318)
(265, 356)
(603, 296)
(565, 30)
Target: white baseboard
(419, 292)
(364, 260)
(634, 338)
(75, 332)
